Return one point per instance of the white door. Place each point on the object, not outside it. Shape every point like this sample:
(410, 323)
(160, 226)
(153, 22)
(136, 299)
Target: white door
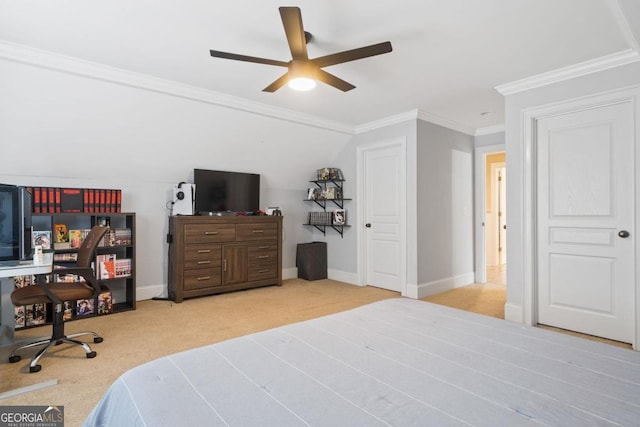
(384, 212)
(585, 208)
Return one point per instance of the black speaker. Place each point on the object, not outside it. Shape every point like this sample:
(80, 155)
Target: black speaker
(180, 193)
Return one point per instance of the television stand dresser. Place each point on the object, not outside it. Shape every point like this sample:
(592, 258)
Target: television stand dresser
(210, 254)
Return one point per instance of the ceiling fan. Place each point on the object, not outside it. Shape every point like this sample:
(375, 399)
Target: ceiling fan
(301, 69)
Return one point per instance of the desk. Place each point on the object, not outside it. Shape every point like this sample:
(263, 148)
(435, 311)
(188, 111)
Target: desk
(7, 313)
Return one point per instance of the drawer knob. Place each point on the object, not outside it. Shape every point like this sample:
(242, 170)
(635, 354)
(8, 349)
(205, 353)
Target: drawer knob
(263, 257)
(204, 262)
(204, 251)
(263, 247)
(204, 278)
(258, 231)
(266, 270)
(210, 233)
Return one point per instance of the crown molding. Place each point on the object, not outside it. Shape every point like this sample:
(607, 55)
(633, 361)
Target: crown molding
(624, 57)
(489, 130)
(416, 115)
(622, 19)
(448, 123)
(44, 59)
(387, 121)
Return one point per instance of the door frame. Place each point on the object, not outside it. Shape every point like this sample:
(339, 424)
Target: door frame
(529, 236)
(480, 179)
(361, 150)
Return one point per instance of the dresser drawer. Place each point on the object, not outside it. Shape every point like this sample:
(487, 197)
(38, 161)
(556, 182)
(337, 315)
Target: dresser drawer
(256, 231)
(209, 233)
(263, 252)
(202, 256)
(205, 278)
(263, 270)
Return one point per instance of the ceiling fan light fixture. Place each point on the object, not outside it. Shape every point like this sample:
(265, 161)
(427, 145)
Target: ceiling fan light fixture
(302, 83)
(302, 75)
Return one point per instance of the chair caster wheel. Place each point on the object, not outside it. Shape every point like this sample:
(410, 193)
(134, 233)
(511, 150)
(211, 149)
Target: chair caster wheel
(36, 368)
(14, 359)
(98, 340)
(91, 355)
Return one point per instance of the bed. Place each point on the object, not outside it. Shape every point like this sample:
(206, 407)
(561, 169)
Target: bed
(398, 362)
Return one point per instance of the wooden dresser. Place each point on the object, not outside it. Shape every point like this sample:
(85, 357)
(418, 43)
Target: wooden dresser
(210, 255)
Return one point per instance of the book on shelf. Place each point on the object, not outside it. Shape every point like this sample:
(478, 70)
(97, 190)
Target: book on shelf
(319, 218)
(84, 307)
(325, 174)
(61, 236)
(41, 238)
(106, 266)
(75, 200)
(76, 237)
(19, 317)
(66, 257)
(35, 314)
(122, 236)
(123, 267)
(68, 309)
(105, 301)
(71, 200)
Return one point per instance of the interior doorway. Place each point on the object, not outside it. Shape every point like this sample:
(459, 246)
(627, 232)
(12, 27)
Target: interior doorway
(491, 206)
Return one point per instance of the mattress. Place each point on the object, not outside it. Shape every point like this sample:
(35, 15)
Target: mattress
(397, 362)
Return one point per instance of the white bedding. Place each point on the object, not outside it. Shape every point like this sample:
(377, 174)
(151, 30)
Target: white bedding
(398, 362)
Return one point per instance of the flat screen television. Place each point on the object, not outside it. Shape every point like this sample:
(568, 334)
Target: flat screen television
(226, 192)
(15, 223)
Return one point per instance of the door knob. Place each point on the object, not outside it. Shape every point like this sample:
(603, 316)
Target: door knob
(368, 225)
(623, 233)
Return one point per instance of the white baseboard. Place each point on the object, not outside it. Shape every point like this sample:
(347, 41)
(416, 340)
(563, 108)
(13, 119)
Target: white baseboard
(513, 313)
(289, 273)
(343, 276)
(151, 291)
(437, 286)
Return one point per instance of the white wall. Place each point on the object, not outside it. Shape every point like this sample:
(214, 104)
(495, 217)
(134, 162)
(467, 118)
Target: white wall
(62, 129)
(620, 77)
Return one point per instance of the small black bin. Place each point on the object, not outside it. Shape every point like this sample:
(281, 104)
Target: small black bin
(311, 260)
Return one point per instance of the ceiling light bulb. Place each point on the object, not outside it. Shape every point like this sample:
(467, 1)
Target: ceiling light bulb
(302, 83)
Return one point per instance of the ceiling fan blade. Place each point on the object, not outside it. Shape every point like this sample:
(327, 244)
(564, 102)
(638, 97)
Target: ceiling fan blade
(277, 84)
(292, 22)
(353, 54)
(226, 55)
(334, 81)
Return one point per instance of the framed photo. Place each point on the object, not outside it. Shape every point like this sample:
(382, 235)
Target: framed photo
(339, 217)
(41, 238)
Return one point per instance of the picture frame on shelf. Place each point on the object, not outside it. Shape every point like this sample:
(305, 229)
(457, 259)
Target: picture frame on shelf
(339, 217)
(41, 238)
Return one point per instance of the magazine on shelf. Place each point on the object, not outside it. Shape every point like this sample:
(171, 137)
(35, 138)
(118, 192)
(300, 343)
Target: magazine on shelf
(85, 307)
(105, 301)
(61, 236)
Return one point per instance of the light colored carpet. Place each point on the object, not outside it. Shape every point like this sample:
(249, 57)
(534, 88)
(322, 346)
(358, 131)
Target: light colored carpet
(158, 328)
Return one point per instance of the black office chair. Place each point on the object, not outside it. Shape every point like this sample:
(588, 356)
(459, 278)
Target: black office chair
(58, 293)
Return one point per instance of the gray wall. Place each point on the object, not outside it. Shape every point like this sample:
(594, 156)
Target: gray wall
(445, 208)
(489, 139)
(408, 131)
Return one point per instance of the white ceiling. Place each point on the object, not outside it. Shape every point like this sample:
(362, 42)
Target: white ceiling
(448, 55)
